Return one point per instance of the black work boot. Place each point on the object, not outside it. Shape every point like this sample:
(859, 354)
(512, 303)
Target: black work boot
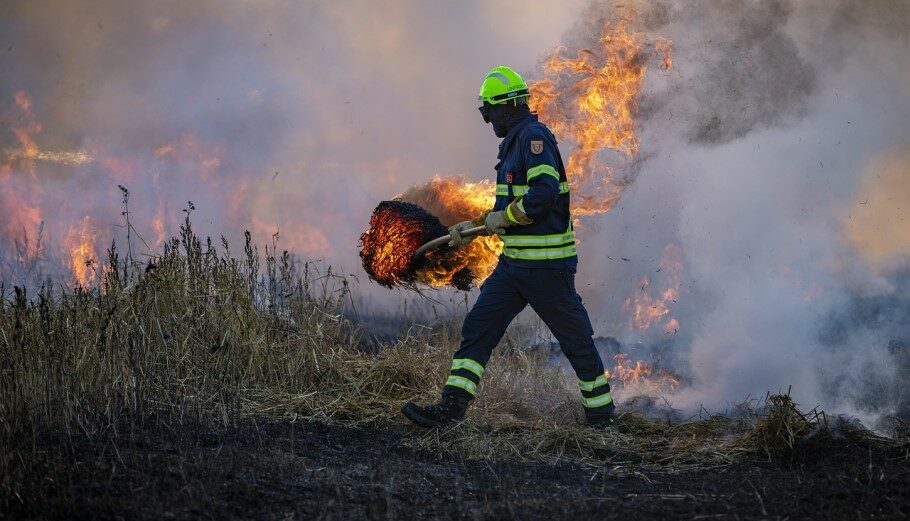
(606, 422)
(450, 409)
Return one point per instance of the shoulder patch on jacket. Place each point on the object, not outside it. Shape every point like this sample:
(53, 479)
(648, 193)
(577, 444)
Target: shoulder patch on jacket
(536, 147)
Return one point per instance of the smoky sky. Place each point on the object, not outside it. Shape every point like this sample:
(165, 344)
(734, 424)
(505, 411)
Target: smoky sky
(759, 147)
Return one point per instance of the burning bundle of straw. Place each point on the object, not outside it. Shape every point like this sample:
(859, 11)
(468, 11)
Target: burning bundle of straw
(397, 229)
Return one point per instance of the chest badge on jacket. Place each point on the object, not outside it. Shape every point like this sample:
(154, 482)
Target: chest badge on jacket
(536, 147)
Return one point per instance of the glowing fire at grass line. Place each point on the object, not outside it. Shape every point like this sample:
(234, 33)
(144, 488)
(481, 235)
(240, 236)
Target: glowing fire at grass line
(641, 377)
(83, 257)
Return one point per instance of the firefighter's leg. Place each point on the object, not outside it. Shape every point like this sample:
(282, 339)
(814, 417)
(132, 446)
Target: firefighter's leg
(552, 295)
(498, 303)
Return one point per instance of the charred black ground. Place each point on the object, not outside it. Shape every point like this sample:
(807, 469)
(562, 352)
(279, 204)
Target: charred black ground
(309, 470)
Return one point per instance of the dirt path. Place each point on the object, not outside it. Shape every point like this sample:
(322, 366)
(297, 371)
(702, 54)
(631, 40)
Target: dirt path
(317, 471)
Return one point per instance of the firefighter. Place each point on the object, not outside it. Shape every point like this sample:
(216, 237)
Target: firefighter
(537, 265)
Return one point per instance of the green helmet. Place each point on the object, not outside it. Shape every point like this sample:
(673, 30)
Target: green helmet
(502, 84)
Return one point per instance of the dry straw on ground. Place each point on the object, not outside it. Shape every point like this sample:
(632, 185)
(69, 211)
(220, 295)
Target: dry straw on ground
(205, 338)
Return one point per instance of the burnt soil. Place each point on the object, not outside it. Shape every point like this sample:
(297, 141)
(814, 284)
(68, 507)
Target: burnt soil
(308, 470)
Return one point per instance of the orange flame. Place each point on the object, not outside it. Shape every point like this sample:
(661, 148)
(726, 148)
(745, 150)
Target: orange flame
(453, 200)
(641, 377)
(20, 192)
(645, 309)
(159, 227)
(592, 99)
(83, 258)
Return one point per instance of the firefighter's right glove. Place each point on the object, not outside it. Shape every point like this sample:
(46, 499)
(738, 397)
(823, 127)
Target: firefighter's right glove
(455, 233)
(497, 222)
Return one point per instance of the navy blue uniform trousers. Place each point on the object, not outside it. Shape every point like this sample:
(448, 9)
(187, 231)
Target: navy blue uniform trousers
(551, 293)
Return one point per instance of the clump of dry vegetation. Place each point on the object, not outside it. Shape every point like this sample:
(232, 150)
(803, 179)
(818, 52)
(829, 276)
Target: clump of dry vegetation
(200, 336)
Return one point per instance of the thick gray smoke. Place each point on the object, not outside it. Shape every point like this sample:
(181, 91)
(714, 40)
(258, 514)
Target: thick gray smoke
(764, 148)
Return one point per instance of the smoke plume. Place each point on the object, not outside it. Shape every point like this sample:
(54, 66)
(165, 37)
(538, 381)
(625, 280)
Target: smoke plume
(763, 149)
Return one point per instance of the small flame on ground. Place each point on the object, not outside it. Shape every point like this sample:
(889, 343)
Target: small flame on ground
(640, 377)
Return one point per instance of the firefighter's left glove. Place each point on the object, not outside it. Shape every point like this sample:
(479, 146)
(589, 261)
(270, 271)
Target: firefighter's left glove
(497, 222)
(455, 233)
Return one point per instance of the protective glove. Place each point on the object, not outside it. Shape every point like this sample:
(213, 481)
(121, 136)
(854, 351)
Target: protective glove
(497, 222)
(455, 233)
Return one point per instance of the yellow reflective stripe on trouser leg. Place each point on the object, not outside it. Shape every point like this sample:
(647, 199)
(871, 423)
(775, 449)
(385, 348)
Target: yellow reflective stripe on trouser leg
(590, 386)
(597, 401)
(470, 365)
(462, 383)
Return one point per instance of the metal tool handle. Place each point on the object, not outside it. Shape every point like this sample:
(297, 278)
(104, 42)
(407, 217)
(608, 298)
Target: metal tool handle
(439, 241)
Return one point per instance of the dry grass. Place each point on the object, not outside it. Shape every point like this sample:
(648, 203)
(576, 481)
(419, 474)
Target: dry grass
(207, 338)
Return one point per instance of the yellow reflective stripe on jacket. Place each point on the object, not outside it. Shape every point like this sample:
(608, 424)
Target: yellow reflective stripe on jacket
(462, 383)
(542, 169)
(597, 401)
(503, 189)
(590, 386)
(539, 240)
(540, 254)
(470, 365)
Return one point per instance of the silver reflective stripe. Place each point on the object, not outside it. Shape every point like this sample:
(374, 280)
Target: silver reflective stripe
(462, 383)
(589, 386)
(470, 365)
(499, 76)
(597, 401)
